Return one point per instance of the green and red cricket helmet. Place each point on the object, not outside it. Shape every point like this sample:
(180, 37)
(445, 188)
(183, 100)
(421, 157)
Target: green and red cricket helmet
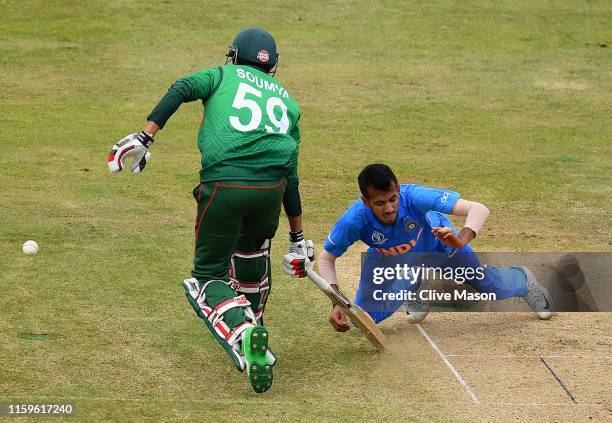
(255, 47)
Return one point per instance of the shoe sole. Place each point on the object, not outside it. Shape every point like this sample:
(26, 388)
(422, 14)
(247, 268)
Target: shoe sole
(254, 348)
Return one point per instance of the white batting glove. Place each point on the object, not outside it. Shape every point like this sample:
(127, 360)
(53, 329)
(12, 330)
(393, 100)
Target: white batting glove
(300, 257)
(133, 146)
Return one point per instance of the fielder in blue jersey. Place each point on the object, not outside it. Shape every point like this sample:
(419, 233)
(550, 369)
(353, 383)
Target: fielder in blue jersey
(395, 220)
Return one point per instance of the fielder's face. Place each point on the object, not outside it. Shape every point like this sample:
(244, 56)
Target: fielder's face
(383, 204)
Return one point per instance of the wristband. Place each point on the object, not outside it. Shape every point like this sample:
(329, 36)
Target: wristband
(145, 139)
(296, 236)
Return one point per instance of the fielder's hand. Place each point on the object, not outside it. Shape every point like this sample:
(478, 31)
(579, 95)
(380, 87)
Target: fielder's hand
(448, 237)
(337, 318)
(300, 257)
(133, 146)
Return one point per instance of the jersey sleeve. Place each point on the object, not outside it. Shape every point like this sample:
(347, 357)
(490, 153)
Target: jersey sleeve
(345, 233)
(197, 86)
(292, 202)
(204, 83)
(426, 199)
(295, 132)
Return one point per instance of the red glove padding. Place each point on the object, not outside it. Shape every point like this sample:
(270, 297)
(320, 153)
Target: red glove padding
(297, 265)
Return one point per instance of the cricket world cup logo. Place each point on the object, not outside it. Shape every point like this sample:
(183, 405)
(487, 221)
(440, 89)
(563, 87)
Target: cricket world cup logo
(378, 238)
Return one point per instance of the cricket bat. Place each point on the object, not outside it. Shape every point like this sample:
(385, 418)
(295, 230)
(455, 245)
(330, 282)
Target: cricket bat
(356, 314)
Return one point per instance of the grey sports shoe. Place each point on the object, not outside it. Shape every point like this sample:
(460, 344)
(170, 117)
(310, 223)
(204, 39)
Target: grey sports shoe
(538, 298)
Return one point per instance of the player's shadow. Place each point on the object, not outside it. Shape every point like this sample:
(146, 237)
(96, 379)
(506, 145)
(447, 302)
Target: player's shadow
(561, 274)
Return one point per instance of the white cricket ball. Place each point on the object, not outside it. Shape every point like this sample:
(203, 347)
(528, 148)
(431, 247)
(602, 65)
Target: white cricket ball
(30, 248)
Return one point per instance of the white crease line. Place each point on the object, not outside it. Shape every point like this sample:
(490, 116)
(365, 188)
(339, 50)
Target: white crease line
(594, 357)
(449, 364)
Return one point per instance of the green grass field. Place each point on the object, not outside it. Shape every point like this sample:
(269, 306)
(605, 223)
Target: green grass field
(506, 102)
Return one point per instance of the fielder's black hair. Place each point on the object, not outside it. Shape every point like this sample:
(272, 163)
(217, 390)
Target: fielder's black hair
(377, 175)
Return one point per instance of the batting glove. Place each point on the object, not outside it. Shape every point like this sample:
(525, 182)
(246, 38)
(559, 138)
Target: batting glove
(300, 257)
(135, 146)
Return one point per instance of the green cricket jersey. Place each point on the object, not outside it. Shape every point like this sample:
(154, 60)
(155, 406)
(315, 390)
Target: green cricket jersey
(250, 129)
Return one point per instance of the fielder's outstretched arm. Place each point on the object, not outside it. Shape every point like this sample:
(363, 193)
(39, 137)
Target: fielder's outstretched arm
(327, 267)
(476, 215)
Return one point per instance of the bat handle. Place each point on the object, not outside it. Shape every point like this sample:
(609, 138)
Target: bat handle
(318, 280)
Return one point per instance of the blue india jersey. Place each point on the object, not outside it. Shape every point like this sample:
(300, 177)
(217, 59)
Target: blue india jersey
(419, 209)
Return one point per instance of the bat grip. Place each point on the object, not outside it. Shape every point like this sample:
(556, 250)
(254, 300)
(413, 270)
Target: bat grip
(318, 280)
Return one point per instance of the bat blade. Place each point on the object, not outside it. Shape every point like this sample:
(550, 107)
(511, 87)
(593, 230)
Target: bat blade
(356, 314)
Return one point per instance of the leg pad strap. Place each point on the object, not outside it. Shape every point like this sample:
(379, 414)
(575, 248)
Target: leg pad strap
(228, 337)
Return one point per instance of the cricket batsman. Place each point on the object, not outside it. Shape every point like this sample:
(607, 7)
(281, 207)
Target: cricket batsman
(394, 219)
(249, 139)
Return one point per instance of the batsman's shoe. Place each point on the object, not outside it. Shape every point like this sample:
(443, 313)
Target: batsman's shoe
(538, 298)
(270, 357)
(254, 350)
